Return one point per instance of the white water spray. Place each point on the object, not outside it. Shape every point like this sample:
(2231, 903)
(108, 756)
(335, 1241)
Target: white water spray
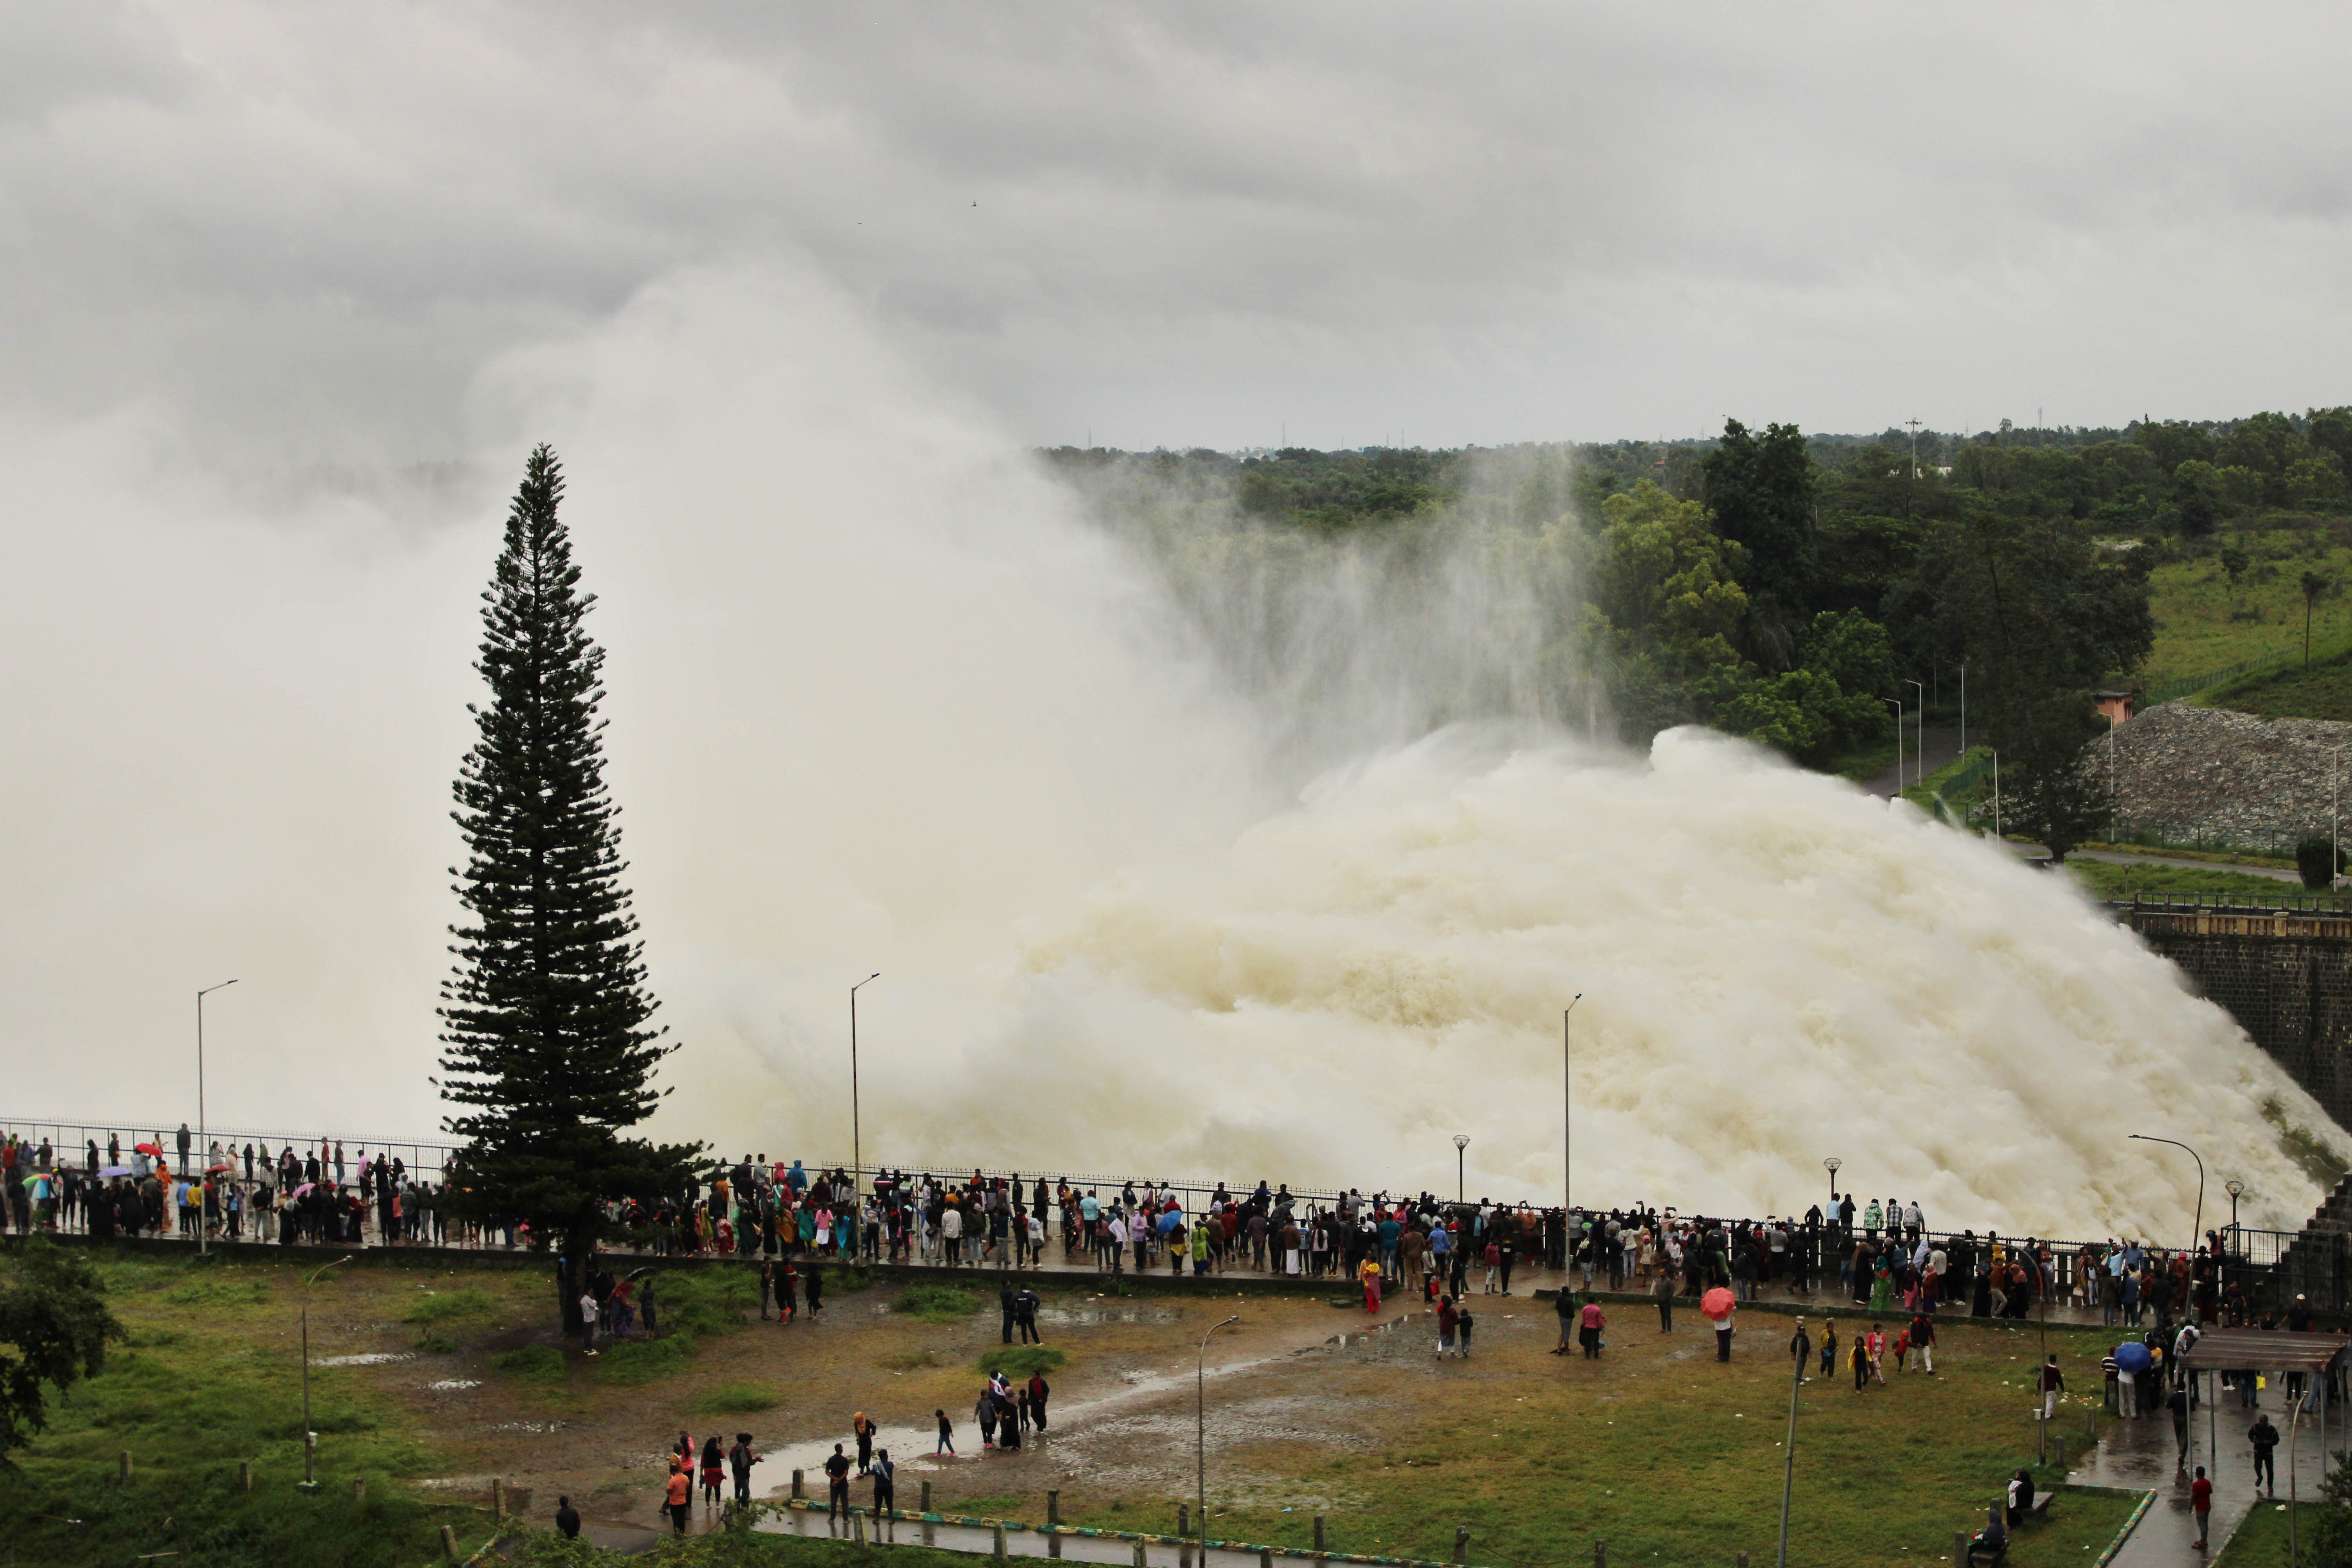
(882, 699)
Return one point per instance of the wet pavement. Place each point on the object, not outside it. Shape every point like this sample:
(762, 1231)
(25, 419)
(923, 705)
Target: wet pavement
(2144, 1454)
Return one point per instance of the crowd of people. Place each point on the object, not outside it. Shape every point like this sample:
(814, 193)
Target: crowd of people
(1877, 1253)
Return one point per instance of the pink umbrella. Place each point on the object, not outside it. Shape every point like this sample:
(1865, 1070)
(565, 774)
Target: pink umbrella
(1716, 1303)
(300, 1190)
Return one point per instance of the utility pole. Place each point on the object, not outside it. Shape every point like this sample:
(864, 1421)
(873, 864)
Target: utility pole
(1568, 1114)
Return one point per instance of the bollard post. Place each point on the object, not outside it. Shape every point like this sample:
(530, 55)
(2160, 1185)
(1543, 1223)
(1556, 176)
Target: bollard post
(1053, 1543)
(1265, 1557)
(1138, 1556)
(126, 1464)
(497, 1497)
(1319, 1548)
(1462, 1543)
(359, 1493)
(449, 1542)
(1960, 1549)
(1054, 1508)
(1184, 1518)
(1743, 1560)
(2061, 1453)
(927, 1497)
(998, 1552)
(244, 1475)
(857, 1527)
(1600, 1554)
(800, 1490)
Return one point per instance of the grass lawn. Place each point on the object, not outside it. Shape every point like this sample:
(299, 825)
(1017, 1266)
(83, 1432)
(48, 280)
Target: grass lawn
(211, 1377)
(2109, 881)
(2322, 690)
(1669, 1456)
(2203, 625)
(2261, 1541)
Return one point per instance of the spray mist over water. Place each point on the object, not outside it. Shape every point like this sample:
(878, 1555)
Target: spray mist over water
(1183, 849)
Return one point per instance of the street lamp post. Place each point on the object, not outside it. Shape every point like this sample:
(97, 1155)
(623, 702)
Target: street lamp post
(311, 1438)
(1832, 1162)
(1461, 1143)
(1919, 729)
(1568, 1114)
(1201, 1436)
(1898, 741)
(1788, 1454)
(2233, 1187)
(204, 1142)
(856, 1149)
(2196, 1239)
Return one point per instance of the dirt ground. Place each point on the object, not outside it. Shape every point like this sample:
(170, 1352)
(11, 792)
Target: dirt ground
(1119, 1404)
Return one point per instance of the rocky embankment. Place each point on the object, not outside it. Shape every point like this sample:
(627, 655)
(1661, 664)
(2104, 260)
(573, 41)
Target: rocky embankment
(2211, 772)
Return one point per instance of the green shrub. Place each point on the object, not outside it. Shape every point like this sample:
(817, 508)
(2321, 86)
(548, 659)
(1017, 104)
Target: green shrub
(2315, 862)
(1020, 1361)
(440, 1307)
(531, 1363)
(436, 1343)
(632, 1361)
(733, 1399)
(936, 1304)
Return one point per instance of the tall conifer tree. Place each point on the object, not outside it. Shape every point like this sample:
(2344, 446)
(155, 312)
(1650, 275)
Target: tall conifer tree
(546, 1015)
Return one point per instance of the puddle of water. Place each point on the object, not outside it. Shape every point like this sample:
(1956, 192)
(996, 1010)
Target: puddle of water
(451, 1383)
(535, 1427)
(371, 1358)
(1067, 1315)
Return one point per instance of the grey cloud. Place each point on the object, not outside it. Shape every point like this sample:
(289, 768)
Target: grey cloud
(310, 228)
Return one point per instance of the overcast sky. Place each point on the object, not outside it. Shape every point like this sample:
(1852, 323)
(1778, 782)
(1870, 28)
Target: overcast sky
(303, 230)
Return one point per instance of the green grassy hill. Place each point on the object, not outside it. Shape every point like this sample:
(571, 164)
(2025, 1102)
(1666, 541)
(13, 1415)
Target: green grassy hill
(2204, 624)
(2323, 690)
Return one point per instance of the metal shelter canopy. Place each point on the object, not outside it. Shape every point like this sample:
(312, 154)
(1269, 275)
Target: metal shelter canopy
(2264, 1350)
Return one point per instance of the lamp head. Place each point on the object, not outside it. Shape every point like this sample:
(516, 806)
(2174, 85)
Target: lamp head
(1833, 1163)
(1461, 1140)
(2234, 1186)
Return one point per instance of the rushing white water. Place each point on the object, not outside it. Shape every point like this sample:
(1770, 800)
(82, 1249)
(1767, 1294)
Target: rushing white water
(882, 699)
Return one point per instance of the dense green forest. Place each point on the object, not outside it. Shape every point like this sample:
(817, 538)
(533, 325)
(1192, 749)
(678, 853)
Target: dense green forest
(1780, 586)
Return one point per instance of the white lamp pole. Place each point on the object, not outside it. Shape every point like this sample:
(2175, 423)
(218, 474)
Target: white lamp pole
(204, 1143)
(857, 1149)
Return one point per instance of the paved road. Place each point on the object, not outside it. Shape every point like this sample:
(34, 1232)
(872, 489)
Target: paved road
(1942, 747)
(2126, 858)
(2144, 1454)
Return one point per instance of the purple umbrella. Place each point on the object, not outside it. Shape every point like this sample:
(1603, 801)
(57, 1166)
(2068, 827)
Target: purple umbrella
(300, 1190)
(116, 1171)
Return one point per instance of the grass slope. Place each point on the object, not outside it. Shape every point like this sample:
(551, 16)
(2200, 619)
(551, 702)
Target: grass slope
(2322, 690)
(2202, 625)
(2109, 881)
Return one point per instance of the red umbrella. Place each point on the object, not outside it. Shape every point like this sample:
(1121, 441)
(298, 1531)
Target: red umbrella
(1716, 1303)
(210, 1170)
(156, 1149)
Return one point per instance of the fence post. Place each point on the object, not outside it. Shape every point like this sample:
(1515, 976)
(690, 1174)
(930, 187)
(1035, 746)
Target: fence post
(1743, 1560)
(998, 1550)
(244, 1475)
(1319, 1548)
(449, 1542)
(1600, 1554)
(1053, 1508)
(800, 1490)
(1265, 1557)
(497, 1497)
(1138, 1556)
(126, 1464)
(1462, 1543)
(1183, 1519)
(927, 1497)
(1960, 1549)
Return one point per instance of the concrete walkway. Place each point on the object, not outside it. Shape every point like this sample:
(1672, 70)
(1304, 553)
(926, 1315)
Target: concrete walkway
(1942, 746)
(2145, 1455)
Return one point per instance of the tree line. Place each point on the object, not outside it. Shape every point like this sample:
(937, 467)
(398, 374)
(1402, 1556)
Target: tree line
(1778, 586)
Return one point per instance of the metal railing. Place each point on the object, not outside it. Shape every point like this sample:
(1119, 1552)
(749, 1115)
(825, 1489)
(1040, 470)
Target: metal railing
(422, 1158)
(2249, 904)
